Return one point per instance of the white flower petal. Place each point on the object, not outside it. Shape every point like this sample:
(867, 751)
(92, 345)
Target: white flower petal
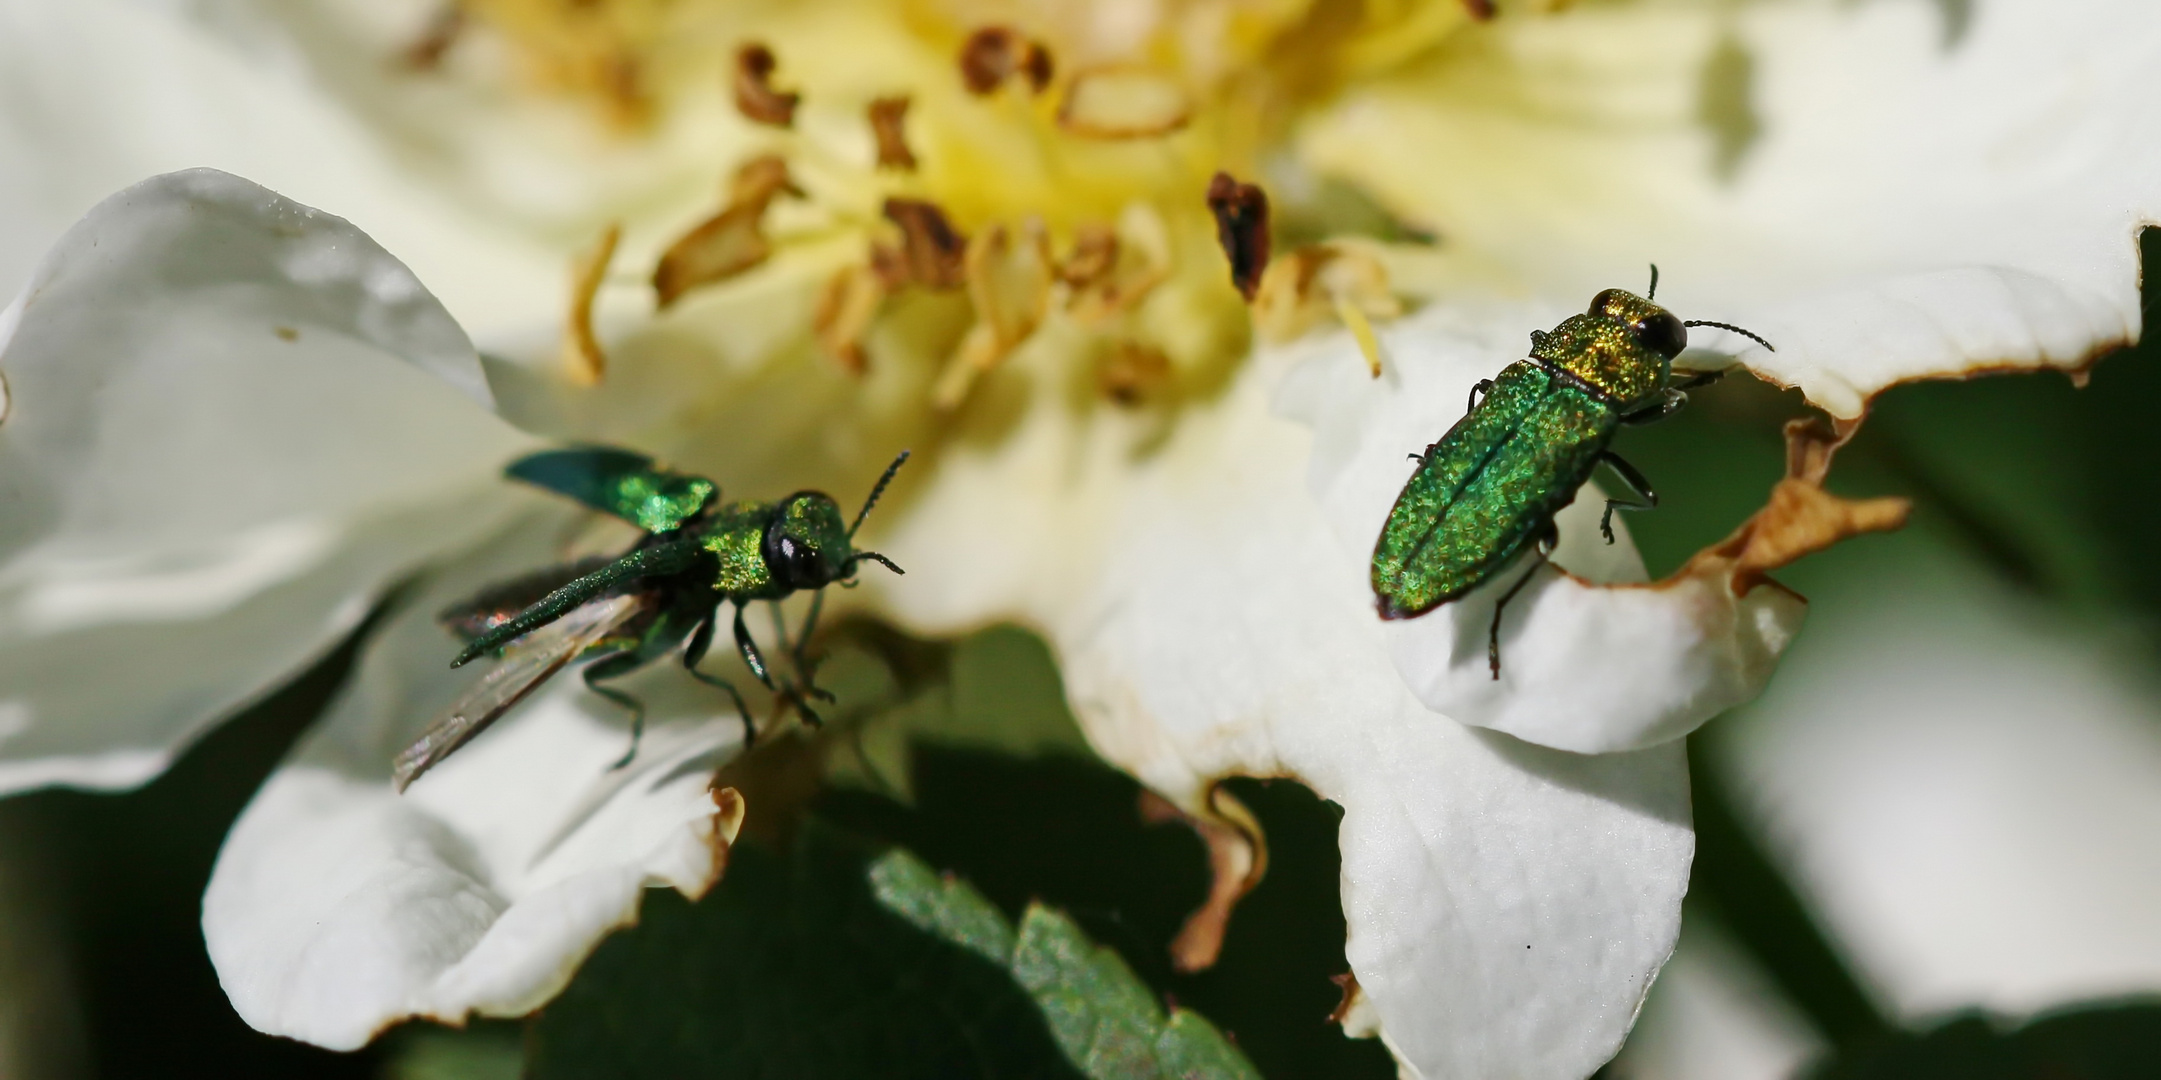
(1583, 667)
(229, 428)
(1715, 1016)
(338, 907)
(97, 94)
(1966, 793)
(1909, 206)
(1508, 905)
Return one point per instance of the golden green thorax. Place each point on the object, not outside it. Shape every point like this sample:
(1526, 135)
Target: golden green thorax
(1622, 348)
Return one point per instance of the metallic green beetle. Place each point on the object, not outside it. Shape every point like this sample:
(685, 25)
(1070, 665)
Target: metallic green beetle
(1490, 487)
(628, 611)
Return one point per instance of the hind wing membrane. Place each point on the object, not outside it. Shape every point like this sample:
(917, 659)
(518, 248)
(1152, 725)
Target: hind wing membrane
(527, 662)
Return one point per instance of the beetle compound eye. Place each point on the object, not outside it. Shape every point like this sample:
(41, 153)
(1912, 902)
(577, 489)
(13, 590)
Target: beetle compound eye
(800, 561)
(1604, 300)
(1661, 333)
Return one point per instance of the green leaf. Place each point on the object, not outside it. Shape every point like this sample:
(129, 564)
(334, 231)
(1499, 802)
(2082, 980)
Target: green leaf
(1103, 1017)
(833, 963)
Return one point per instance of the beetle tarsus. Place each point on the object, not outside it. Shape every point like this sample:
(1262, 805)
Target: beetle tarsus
(1483, 387)
(609, 667)
(1634, 479)
(1493, 633)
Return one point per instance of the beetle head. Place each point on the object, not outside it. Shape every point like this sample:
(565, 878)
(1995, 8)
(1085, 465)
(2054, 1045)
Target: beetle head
(1651, 326)
(806, 544)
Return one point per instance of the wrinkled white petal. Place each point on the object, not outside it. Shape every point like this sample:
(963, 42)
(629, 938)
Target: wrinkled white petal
(1967, 793)
(1715, 1016)
(233, 419)
(1583, 667)
(97, 94)
(1508, 905)
(338, 907)
(1910, 206)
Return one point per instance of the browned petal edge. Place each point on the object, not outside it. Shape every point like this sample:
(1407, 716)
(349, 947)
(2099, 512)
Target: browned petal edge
(444, 27)
(888, 116)
(1800, 517)
(1241, 212)
(755, 96)
(1353, 1013)
(1123, 102)
(994, 54)
(720, 831)
(1237, 860)
(731, 241)
(583, 359)
(932, 254)
(729, 809)
(2078, 371)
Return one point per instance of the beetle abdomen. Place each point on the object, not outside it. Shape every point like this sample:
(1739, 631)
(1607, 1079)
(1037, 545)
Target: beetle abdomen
(1488, 488)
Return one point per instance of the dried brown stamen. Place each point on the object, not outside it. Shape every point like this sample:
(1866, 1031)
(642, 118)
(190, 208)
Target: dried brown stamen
(994, 54)
(1131, 372)
(1300, 288)
(444, 29)
(887, 115)
(732, 241)
(582, 355)
(1111, 271)
(1094, 256)
(1124, 103)
(932, 252)
(845, 309)
(1241, 212)
(1479, 9)
(1009, 280)
(755, 96)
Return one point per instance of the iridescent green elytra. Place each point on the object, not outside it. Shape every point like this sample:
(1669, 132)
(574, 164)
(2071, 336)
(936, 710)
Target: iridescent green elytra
(666, 590)
(1488, 490)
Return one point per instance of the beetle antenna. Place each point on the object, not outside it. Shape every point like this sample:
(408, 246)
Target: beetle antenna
(1653, 294)
(875, 491)
(873, 557)
(1750, 335)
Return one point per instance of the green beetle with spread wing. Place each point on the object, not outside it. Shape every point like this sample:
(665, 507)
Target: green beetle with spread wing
(666, 591)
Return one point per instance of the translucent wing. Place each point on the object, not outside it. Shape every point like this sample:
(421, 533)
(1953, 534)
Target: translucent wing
(618, 482)
(502, 601)
(527, 663)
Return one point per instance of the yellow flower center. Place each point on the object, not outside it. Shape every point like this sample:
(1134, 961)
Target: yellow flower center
(1052, 168)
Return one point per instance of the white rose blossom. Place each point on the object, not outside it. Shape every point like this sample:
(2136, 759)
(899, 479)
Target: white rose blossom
(235, 421)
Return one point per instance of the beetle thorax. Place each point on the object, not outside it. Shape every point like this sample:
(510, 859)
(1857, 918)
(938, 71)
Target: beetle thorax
(1601, 353)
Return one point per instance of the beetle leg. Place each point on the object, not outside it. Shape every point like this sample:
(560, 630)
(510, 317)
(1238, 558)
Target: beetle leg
(1542, 548)
(1479, 389)
(749, 649)
(1635, 481)
(803, 664)
(1670, 402)
(1693, 379)
(613, 666)
(701, 639)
